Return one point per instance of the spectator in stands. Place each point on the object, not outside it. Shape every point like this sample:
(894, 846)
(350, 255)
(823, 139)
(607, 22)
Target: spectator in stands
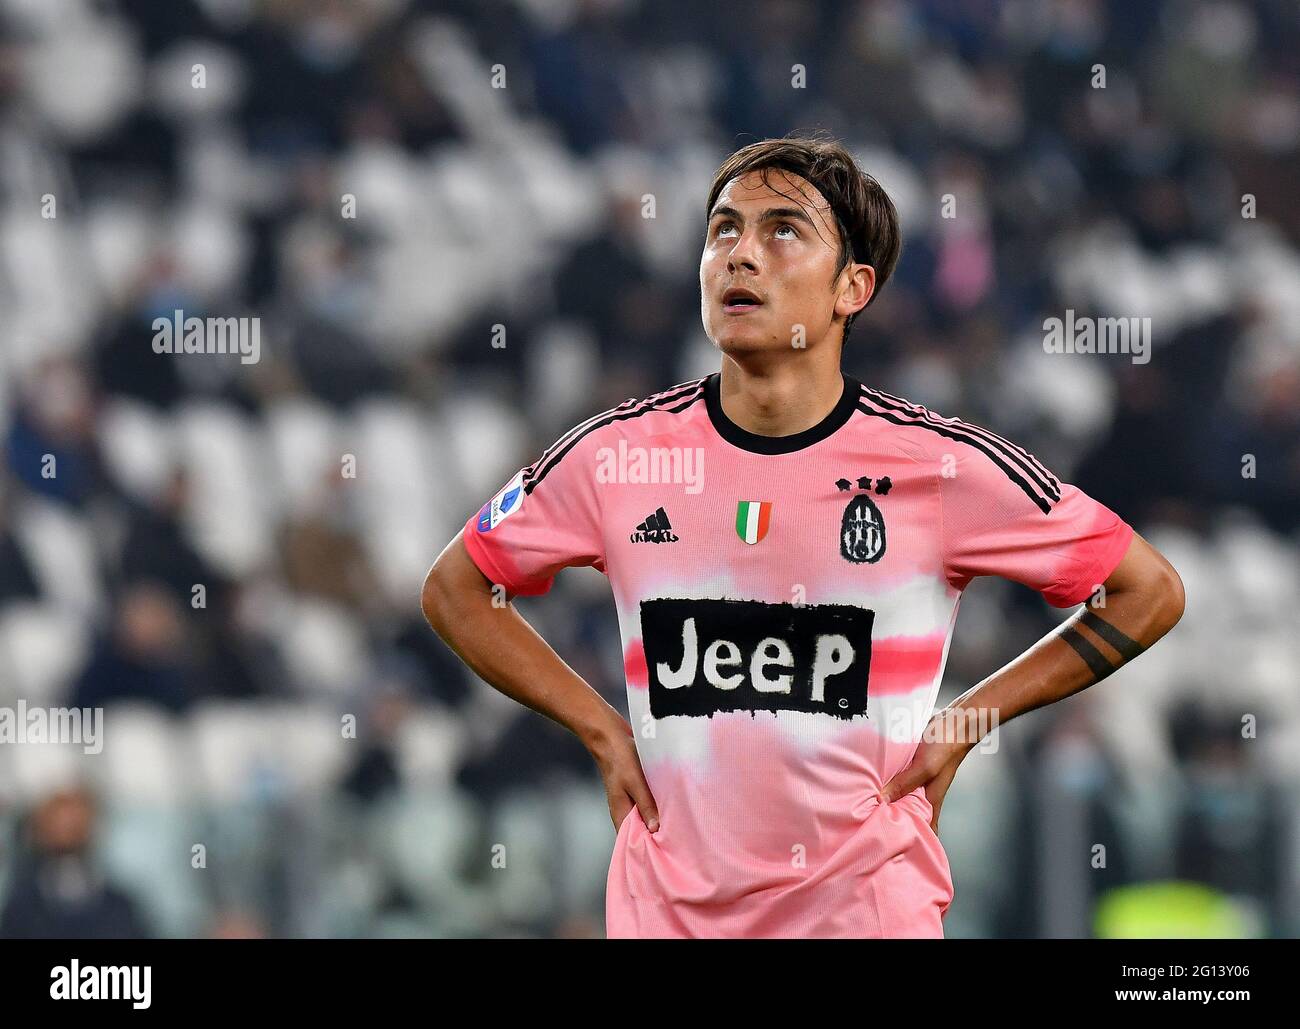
(144, 657)
(50, 444)
(58, 890)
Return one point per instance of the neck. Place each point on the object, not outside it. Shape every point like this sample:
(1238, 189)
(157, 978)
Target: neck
(780, 398)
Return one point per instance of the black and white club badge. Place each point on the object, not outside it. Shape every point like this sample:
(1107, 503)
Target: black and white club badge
(862, 529)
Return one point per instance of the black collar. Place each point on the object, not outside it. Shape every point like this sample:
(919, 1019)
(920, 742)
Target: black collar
(758, 444)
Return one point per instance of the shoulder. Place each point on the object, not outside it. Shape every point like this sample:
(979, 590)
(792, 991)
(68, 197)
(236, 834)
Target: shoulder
(964, 445)
(634, 416)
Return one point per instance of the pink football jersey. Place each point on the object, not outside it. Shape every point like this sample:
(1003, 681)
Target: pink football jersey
(786, 605)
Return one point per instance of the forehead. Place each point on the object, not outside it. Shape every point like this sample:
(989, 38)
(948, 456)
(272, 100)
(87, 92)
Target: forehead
(780, 188)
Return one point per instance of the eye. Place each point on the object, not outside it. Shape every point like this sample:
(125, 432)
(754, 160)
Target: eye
(786, 226)
(724, 228)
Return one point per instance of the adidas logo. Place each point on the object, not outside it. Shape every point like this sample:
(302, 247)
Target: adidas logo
(655, 529)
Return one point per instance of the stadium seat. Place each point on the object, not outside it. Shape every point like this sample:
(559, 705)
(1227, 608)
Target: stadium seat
(311, 747)
(42, 648)
(147, 851)
(63, 549)
(430, 745)
(323, 647)
(429, 841)
(401, 474)
(227, 512)
(302, 447)
(234, 753)
(485, 439)
(144, 763)
(136, 443)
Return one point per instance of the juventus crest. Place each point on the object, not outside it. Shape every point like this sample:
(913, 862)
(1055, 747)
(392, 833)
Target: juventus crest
(862, 529)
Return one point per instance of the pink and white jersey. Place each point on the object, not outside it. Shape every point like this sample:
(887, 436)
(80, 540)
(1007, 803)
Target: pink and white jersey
(786, 605)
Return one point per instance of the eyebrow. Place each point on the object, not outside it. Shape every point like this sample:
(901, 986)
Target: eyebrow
(793, 213)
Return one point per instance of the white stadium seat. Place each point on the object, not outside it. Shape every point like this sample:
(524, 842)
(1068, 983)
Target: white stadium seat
(42, 648)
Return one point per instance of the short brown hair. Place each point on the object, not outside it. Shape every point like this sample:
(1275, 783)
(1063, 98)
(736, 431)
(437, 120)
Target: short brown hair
(867, 218)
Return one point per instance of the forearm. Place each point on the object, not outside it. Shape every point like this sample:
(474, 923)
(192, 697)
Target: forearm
(498, 645)
(1082, 651)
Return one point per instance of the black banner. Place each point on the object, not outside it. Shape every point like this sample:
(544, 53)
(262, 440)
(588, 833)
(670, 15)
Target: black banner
(706, 656)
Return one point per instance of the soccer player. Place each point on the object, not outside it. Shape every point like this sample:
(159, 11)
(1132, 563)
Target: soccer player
(787, 548)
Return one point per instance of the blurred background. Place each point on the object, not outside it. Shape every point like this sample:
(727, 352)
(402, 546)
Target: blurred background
(465, 225)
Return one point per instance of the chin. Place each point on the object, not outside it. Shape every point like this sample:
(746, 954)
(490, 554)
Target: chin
(742, 339)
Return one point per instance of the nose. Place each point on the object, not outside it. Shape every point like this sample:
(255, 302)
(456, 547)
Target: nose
(744, 254)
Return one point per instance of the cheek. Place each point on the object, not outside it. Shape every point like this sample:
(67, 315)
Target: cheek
(808, 290)
(707, 277)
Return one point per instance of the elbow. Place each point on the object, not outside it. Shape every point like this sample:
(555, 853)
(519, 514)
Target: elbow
(1173, 598)
(435, 600)
(453, 588)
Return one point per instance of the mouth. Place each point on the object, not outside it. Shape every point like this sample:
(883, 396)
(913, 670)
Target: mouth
(740, 301)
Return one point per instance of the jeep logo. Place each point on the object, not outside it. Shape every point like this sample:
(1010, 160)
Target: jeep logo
(706, 656)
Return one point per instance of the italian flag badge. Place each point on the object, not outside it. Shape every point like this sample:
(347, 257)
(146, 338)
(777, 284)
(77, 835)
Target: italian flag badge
(752, 520)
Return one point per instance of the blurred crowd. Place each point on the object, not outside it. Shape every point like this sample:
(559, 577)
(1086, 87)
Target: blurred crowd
(465, 225)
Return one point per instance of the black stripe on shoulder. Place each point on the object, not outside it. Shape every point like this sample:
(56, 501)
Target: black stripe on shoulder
(1045, 481)
(1050, 484)
(996, 457)
(671, 401)
(569, 434)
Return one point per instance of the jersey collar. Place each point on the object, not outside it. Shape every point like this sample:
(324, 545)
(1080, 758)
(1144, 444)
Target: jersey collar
(758, 444)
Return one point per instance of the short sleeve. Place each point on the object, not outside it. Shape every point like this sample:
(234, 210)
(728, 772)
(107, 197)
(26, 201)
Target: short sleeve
(547, 517)
(1005, 514)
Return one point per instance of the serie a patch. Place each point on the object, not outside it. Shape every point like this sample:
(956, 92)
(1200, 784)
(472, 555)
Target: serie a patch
(708, 656)
(503, 505)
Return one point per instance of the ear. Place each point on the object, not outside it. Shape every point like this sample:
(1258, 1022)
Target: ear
(857, 285)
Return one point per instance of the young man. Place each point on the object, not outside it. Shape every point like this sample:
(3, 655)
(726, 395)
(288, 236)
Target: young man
(786, 611)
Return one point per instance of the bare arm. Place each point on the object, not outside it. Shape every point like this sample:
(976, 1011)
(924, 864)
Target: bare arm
(1143, 601)
(495, 641)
